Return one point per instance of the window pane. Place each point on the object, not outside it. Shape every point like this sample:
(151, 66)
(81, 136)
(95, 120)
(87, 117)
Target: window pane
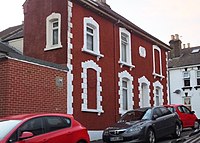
(198, 74)
(90, 42)
(198, 81)
(89, 30)
(157, 100)
(124, 52)
(56, 123)
(55, 36)
(35, 126)
(186, 82)
(124, 84)
(55, 24)
(125, 103)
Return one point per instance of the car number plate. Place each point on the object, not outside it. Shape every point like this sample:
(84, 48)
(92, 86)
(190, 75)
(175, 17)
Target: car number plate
(116, 139)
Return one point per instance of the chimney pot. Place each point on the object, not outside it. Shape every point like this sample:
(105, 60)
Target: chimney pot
(172, 37)
(176, 36)
(188, 45)
(184, 46)
(101, 1)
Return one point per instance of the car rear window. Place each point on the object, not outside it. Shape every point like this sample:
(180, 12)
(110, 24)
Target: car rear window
(171, 109)
(55, 123)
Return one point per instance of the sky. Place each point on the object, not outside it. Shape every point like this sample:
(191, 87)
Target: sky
(160, 18)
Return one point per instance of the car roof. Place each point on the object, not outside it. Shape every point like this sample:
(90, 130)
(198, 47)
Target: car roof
(173, 105)
(29, 116)
(140, 109)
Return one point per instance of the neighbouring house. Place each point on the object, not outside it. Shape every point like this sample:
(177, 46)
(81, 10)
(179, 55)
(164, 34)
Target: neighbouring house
(29, 85)
(13, 36)
(114, 66)
(184, 74)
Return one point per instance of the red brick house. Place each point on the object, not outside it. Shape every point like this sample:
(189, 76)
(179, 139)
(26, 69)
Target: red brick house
(29, 85)
(114, 66)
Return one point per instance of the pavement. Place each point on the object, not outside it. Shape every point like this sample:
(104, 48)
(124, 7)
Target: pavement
(168, 139)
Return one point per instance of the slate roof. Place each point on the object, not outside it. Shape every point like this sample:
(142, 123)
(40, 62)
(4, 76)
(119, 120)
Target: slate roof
(105, 10)
(7, 51)
(11, 33)
(187, 58)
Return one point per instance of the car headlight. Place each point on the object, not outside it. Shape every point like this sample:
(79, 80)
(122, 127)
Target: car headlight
(106, 132)
(134, 129)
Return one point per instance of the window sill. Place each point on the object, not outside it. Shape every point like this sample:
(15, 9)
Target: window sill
(126, 64)
(98, 55)
(48, 48)
(158, 75)
(93, 111)
(187, 87)
(197, 87)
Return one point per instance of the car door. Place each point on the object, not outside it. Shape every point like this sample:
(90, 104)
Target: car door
(190, 118)
(168, 120)
(158, 122)
(35, 126)
(58, 129)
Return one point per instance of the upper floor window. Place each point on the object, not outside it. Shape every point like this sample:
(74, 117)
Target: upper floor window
(91, 37)
(53, 31)
(125, 48)
(198, 76)
(157, 62)
(186, 78)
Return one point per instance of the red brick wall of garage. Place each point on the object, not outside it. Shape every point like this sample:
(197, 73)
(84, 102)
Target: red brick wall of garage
(35, 14)
(28, 88)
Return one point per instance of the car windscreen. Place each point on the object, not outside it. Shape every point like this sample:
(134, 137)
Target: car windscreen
(6, 126)
(136, 115)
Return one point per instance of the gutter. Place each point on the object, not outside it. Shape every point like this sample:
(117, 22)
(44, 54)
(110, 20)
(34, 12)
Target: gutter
(121, 20)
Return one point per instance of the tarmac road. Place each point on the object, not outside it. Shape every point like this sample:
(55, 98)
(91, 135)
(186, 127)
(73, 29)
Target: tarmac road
(168, 139)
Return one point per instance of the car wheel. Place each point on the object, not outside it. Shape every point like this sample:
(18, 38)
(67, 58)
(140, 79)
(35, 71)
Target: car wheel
(177, 132)
(196, 125)
(150, 138)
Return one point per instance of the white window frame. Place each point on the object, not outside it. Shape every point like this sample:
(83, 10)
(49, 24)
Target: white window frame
(91, 65)
(160, 74)
(49, 31)
(91, 23)
(186, 73)
(128, 62)
(158, 85)
(144, 80)
(125, 76)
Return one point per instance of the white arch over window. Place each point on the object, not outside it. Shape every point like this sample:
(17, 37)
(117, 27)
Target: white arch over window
(125, 76)
(144, 94)
(91, 65)
(158, 93)
(160, 74)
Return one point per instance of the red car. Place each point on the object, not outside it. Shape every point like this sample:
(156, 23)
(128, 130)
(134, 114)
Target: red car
(42, 128)
(187, 117)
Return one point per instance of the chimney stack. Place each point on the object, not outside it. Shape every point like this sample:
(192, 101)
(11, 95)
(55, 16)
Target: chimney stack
(175, 43)
(103, 3)
(188, 45)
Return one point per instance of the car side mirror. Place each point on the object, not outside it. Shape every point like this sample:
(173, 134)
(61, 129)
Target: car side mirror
(192, 112)
(26, 135)
(155, 117)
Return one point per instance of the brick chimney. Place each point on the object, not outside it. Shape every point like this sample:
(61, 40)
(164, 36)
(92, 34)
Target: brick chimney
(175, 43)
(103, 2)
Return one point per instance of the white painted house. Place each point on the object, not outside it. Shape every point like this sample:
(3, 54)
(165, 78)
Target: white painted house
(184, 75)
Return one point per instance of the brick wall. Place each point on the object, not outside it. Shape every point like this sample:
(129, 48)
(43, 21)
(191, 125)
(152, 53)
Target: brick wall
(29, 88)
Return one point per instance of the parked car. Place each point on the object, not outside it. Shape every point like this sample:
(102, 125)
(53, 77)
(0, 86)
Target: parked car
(42, 128)
(187, 117)
(144, 125)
